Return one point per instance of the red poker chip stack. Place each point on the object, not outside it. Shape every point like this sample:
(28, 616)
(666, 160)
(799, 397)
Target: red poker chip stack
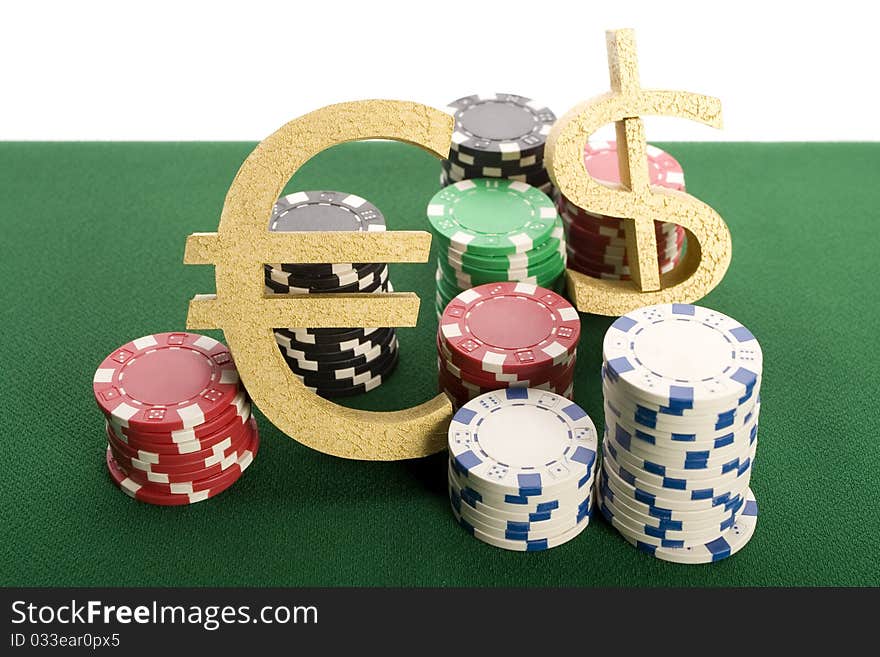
(178, 424)
(597, 243)
(506, 335)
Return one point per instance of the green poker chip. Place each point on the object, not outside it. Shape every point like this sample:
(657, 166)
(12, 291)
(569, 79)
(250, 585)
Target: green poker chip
(549, 267)
(561, 285)
(544, 276)
(440, 303)
(464, 260)
(446, 287)
(492, 216)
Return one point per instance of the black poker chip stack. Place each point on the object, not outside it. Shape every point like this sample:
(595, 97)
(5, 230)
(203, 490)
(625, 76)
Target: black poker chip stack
(498, 136)
(334, 362)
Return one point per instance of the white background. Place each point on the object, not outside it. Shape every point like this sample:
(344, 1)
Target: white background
(237, 71)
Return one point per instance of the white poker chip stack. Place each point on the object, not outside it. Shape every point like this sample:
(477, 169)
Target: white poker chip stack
(521, 468)
(681, 385)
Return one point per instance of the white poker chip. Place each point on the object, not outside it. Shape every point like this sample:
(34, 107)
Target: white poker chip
(683, 357)
(681, 387)
(521, 468)
(523, 440)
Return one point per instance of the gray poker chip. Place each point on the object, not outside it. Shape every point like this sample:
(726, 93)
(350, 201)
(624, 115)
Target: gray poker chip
(500, 127)
(325, 210)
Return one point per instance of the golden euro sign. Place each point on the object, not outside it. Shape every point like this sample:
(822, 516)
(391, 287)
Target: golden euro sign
(243, 243)
(637, 202)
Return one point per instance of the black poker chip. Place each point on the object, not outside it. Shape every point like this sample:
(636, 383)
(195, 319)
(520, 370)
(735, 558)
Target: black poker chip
(371, 283)
(325, 210)
(472, 167)
(457, 173)
(310, 337)
(282, 274)
(372, 383)
(304, 364)
(317, 269)
(293, 349)
(371, 360)
(332, 350)
(344, 377)
(547, 187)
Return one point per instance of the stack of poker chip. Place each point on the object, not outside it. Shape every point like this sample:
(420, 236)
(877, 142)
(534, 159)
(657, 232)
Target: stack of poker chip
(493, 231)
(178, 425)
(597, 243)
(681, 386)
(333, 362)
(498, 136)
(521, 468)
(506, 335)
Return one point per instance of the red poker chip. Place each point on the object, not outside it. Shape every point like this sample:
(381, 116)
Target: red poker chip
(179, 475)
(603, 275)
(183, 484)
(603, 240)
(663, 260)
(166, 382)
(575, 233)
(239, 407)
(599, 266)
(562, 380)
(465, 390)
(590, 230)
(600, 160)
(596, 271)
(192, 461)
(456, 400)
(512, 328)
(452, 382)
(450, 362)
(572, 214)
(613, 268)
(587, 256)
(490, 380)
(617, 254)
(154, 494)
(151, 496)
(587, 271)
(170, 450)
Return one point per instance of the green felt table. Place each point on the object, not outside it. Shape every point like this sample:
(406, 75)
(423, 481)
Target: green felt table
(93, 237)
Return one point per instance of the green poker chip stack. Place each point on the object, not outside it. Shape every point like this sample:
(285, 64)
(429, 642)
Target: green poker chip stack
(489, 230)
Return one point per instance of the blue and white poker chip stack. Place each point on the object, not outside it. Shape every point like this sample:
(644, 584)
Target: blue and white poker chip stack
(681, 386)
(521, 468)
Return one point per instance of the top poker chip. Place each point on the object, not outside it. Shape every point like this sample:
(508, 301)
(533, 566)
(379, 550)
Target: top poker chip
(324, 210)
(492, 216)
(524, 442)
(600, 160)
(166, 382)
(510, 328)
(683, 357)
(507, 126)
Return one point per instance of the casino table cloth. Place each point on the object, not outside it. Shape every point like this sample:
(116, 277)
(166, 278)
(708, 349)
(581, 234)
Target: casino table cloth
(93, 237)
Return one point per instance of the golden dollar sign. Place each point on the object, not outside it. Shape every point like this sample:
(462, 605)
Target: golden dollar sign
(243, 242)
(637, 202)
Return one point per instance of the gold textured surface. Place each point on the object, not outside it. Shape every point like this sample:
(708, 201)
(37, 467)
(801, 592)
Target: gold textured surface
(243, 243)
(639, 204)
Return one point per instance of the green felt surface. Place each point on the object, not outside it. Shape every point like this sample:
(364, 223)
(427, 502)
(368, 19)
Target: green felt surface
(93, 238)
